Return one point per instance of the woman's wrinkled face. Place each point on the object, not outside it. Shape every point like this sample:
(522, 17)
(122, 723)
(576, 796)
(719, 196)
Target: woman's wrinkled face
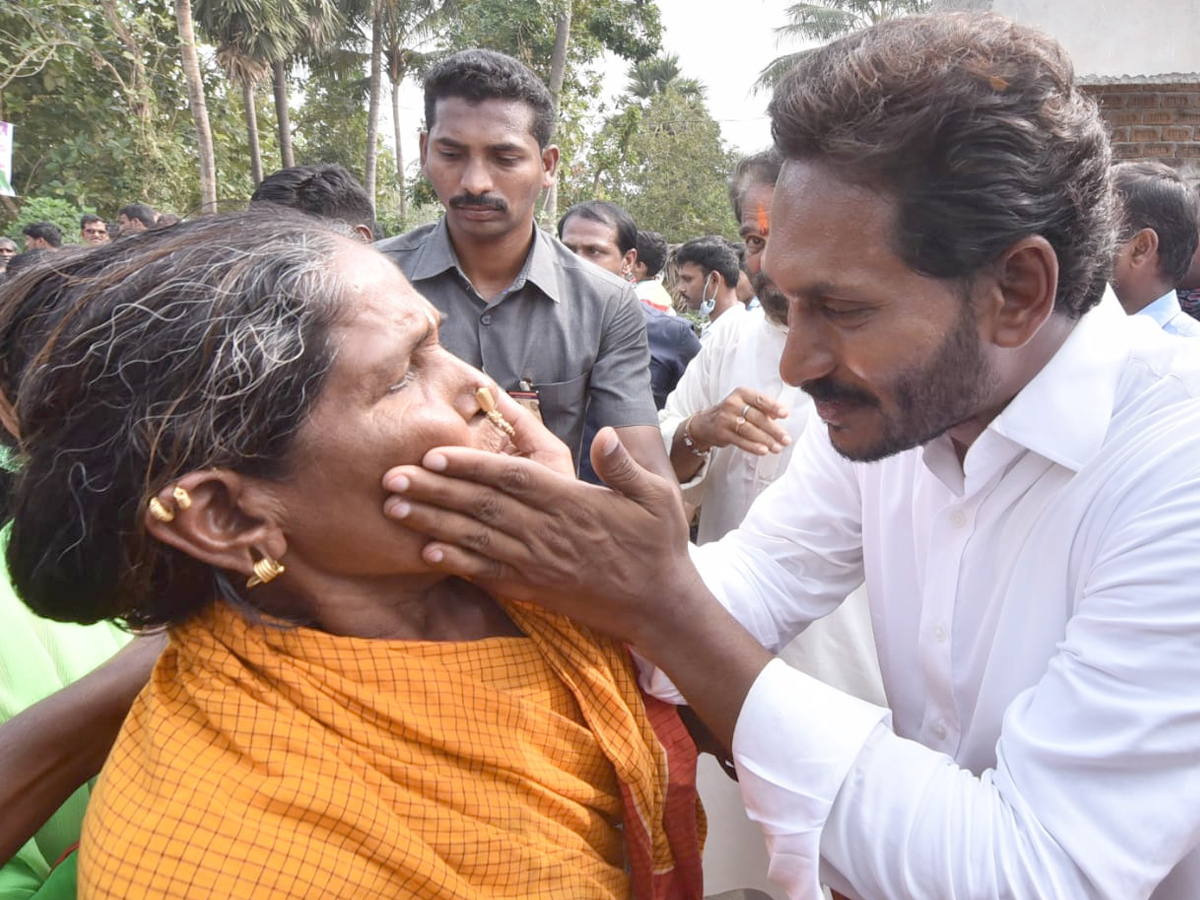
(393, 394)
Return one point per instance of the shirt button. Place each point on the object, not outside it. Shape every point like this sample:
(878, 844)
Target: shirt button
(486, 319)
(958, 520)
(939, 731)
(939, 633)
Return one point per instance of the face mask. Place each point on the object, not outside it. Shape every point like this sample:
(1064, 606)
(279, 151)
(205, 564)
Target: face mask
(707, 304)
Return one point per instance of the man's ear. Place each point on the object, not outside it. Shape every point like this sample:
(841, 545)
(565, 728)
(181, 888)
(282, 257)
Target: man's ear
(1143, 249)
(364, 233)
(218, 517)
(423, 145)
(1020, 296)
(628, 261)
(549, 165)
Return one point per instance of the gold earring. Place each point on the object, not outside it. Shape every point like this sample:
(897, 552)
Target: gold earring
(266, 569)
(161, 512)
(483, 396)
(182, 498)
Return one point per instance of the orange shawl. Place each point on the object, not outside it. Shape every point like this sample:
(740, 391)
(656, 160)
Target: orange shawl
(273, 762)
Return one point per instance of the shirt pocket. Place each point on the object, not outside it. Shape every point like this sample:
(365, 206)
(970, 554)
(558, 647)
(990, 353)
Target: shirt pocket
(563, 401)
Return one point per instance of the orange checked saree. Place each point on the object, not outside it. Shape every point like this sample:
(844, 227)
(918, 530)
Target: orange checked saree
(265, 762)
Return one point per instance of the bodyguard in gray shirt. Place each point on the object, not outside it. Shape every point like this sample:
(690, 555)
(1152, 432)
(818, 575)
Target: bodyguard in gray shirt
(516, 302)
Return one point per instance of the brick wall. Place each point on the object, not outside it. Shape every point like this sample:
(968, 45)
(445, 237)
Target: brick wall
(1153, 121)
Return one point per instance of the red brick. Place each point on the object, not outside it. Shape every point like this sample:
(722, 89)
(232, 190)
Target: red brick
(1110, 101)
(1177, 133)
(1156, 151)
(1127, 151)
(1119, 135)
(1188, 151)
(1179, 101)
(1141, 101)
(1158, 117)
(1188, 117)
(1142, 133)
(1124, 117)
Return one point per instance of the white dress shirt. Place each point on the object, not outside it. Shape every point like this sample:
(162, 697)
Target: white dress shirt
(1037, 615)
(743, 350)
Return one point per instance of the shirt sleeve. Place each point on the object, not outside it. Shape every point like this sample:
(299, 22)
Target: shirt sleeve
(619, 388)
(1094, 793)
(692, 394)
(792, 560)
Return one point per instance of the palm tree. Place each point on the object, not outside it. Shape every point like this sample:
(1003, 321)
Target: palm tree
(250, 37)
(195, 85)
(652, 77)
(323, 23)
(824, 20)
(407, 25)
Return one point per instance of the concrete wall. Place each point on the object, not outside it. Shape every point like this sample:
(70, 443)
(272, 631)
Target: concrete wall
(1112, 38)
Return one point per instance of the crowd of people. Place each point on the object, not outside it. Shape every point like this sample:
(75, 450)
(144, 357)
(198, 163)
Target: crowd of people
(460, 564)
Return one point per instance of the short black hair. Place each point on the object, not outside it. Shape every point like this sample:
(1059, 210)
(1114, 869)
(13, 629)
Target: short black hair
(46, 231)
(139, 211)
(88, 218)
(479, 75)
(1153, 195)
(712, 254)
(606, 214)
(325, 190)
(652, 251)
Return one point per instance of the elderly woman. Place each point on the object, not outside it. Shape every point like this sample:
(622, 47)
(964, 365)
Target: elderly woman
(203, 429)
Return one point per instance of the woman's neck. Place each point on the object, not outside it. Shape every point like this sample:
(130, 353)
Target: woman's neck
(415, 608)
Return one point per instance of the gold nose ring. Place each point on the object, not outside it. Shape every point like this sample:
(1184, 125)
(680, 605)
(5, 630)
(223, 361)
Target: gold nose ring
(483, 396)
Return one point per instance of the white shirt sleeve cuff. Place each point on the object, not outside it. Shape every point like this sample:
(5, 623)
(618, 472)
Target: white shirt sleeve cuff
(796, 740)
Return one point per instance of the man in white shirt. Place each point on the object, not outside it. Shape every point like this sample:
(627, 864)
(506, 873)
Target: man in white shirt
(708, 278)
(1010, 465)
(1160, 227)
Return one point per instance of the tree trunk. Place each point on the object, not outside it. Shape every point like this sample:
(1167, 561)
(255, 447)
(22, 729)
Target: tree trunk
(195, 87)
(256, 172)
(282, 116)
(400, 180)
(376, 89)
(558, 71)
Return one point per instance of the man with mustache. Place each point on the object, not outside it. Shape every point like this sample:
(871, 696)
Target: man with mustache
(559, 335)
(1007, 461)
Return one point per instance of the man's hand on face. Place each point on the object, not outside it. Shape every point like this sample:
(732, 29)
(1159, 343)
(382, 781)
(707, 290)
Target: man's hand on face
(614, 558)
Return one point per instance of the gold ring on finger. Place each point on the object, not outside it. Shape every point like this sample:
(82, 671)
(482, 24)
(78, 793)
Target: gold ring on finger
(737, 429)
(745, 410)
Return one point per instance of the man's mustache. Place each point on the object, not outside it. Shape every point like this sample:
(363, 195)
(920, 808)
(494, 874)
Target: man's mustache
(478, 200)
(826, 390)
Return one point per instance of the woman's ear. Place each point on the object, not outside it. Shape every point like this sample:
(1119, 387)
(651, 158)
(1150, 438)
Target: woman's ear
(218, 517)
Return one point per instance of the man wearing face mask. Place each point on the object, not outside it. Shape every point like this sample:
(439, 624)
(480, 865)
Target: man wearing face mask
(708, 277)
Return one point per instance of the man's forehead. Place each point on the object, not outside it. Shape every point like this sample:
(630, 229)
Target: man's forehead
(488, 117)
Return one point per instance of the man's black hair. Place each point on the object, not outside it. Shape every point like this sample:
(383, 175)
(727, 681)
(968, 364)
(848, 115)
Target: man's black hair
(479, 75)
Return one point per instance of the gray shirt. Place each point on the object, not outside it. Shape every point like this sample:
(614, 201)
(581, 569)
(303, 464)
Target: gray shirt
(571, 329)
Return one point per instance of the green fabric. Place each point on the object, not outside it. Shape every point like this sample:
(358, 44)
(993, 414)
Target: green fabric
(37, 658)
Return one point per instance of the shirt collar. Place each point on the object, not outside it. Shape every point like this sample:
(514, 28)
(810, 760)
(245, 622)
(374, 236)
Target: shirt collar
(437, 256)
(1064, 413)
(1164, 309)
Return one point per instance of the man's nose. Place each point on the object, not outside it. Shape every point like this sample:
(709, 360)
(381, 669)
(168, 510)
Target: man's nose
(477, 177)
(809, 352)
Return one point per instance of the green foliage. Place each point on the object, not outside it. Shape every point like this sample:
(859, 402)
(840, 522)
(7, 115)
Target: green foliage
(665, 163)
(104, 120)
(48, 209)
